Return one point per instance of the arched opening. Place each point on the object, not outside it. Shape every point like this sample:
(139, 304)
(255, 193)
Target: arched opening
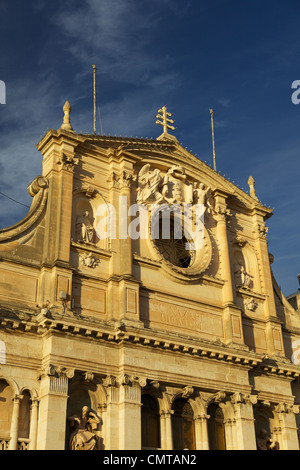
(216, 428)
(78, 398)
(183, 429)
(24, 415)
(265, 429)
(150, 423)
(6, 406)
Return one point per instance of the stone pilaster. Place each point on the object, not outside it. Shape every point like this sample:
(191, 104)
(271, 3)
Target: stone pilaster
(244, 421)
(273, 328)
(201, 432)
(112, 413)
(287, 430)
(232, 321)
(53, 407)
(130, 412)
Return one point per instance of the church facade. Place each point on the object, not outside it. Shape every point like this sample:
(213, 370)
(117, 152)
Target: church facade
(138, 309)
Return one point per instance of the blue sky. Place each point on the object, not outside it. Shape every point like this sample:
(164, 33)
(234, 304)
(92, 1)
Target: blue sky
(239, 57)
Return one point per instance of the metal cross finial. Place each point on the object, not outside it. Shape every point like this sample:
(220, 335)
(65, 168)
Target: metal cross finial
(166, 122)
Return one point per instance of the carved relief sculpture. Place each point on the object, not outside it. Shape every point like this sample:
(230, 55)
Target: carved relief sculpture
(173, 184)
(84, 228)
(149, 184)
(172, 188)
(83, 427)
(89, 260)
(250, 304)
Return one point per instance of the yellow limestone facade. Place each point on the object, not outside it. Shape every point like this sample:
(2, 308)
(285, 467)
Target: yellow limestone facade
(136, 342)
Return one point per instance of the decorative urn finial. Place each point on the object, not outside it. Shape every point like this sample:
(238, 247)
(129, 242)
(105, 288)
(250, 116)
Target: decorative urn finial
(66, 122)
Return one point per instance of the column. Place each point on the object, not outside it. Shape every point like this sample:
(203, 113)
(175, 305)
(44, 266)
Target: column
(14, 429)
(244, 421)
(286, 416)
(166, 430)
(33, 424)
(53, 408)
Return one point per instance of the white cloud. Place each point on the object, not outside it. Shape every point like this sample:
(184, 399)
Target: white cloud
(115, 35)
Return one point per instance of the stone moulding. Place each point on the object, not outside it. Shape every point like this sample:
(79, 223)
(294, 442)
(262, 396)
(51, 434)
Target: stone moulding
(41, 324)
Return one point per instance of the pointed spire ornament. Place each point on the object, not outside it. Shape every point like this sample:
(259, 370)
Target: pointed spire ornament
(66, 122)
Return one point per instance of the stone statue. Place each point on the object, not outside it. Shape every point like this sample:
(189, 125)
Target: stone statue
(84, 228)
(202, 194)
(149, 184)
(251, 184)
(83, 437)
(266, 443)
(243, 278)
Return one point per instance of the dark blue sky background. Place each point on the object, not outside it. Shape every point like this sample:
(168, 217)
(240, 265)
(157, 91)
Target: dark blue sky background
(238, 57)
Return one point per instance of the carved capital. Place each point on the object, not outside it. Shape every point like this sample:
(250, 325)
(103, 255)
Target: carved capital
(141, 381)
(109, 381)
(261, 231)
(166, 413)
(221, 213)
(240, 398)
(202, 418)
(125, 179)
(124, 380)
(219, 397)
(17, 398)
(89, 376)
(187, 392)
(67, 162)
(56, 371)
(287, 408)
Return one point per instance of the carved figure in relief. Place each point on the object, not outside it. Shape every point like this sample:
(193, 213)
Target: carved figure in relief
(174, 184)
(149, 184)
(84, 228)
(266, 443)
(83, 437)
